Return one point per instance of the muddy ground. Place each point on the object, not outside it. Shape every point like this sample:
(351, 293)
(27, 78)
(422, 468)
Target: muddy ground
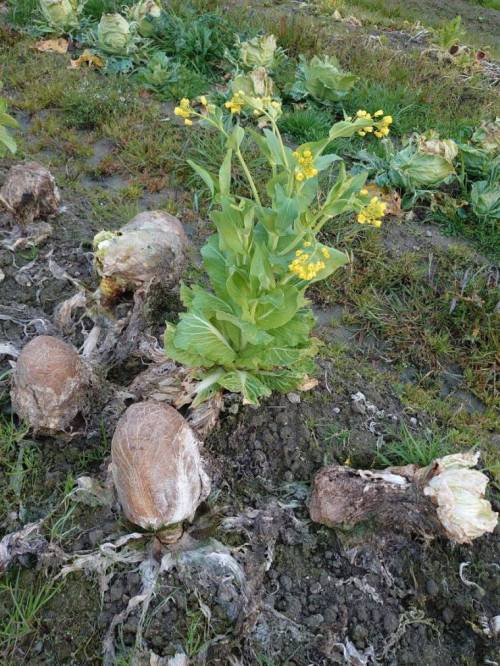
(259, 583)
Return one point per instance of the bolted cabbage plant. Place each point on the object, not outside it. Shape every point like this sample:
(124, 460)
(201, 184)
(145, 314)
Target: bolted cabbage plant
(250, 332)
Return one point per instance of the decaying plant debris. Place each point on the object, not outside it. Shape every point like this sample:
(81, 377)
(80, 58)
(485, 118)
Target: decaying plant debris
(29, 193)
(157, 469)
(444, 499)
(50, 385)
(152, 246)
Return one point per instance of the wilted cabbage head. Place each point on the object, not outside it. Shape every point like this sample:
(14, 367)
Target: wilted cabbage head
(62, 14)
(413, 168)
(151, 246)
(487, 136)
(458, 492)
(114, 34)
(256, 83)
(323, 79)
(485, 199)
(144, 13)
(433, 145)
(258, 52)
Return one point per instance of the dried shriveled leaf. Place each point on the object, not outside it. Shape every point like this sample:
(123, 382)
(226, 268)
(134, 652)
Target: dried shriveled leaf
(59, 45)
(89, 59)
(157, 467)
(390, 197)
(50, 385)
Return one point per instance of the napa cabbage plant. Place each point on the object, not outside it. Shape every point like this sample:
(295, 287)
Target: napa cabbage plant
(159, 73)
(115, 35)
(485, 198)
(250, 330)
(322, 79)
(61, 15)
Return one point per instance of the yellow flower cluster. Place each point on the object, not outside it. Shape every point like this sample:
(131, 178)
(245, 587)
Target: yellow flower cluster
(306, 168)
(303, 267)
(373, 212)
(236, 102)
(380, 128)
(184, 110)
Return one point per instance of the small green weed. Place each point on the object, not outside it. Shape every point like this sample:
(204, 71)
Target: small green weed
(411, 449)
(25, 603)
(196, 632)
(306, 124)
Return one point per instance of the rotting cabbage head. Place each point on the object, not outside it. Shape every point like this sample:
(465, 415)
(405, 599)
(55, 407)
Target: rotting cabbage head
(62, 14)
(487, 136)
(144, 13)
(258, 52)
(151, 246)
(458, 492)
(114, 34)
(323, 80)
(414, 169)
(256, 83)
(431, 144)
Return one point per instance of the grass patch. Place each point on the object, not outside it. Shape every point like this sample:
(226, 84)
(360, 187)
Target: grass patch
(24, 603)
(413, 449)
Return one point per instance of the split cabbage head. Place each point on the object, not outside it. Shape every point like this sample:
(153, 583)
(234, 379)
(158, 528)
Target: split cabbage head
(258, 52)
(256, 83)
(61, 14)
(322, 79)
(458, 492)
(144, 13)
(114, 35)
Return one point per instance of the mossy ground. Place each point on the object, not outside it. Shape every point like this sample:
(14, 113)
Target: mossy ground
(412, 322)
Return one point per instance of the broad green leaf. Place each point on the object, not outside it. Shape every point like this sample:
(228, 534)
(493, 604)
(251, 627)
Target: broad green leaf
(235, 138)
(240, 381)
(206, 304)
(256, 357)
(275, 149)
(268, 316)
(230, 231)
(198, 335)
(188, 358)
(239, 290)
(260, 269)
(7, 141)
(8, 121)
(250, 334)
(297, 330)
(208, 179)
(225, 174)
(215, 264)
